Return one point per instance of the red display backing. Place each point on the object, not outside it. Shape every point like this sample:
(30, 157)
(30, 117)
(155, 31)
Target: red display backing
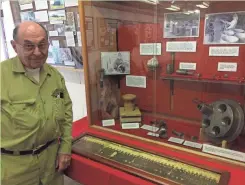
(89, 172)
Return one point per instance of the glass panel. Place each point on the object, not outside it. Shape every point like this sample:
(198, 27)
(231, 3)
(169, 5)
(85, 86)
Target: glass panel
(171, 72)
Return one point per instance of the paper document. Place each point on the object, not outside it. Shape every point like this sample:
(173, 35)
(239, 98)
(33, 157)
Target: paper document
(70, 41)
(41, 4)
(41, 16)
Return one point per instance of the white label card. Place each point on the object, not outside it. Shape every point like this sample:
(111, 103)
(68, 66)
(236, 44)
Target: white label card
(188, 66)
(136, 81)
(109, 122)
(150, 128)
(227, 66)
(130, 125)
(224, 51)
(153, 134)
(183, 46)
(176, 140)
(223, 152)
(26, 6)
(193, 144)
(53, 33)
(150, 49)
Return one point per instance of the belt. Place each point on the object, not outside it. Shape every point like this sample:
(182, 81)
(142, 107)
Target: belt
(28, 152)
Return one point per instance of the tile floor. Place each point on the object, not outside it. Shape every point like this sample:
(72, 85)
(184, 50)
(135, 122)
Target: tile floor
(69, 181)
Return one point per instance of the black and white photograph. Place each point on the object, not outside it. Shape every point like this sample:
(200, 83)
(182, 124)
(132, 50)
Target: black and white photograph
(115, 63)
(181, 24)
(27, 16)
(60, 28)
(65, 54)
(225, 28)
(70, 22)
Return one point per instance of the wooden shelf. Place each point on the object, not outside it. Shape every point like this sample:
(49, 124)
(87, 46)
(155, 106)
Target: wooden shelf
(232, 81)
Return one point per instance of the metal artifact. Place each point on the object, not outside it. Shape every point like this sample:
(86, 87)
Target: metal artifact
(102, 74)
(151, 166)
(184, 72)
(179, 134)
(222, 120)
(129, 112)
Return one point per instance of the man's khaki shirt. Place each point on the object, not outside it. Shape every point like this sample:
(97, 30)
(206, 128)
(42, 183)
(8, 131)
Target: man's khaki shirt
(33, 113)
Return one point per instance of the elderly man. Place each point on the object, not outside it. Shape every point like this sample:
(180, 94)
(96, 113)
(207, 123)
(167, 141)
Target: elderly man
(36, 113)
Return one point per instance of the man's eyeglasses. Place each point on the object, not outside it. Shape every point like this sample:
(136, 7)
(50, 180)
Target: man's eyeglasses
(30, 47)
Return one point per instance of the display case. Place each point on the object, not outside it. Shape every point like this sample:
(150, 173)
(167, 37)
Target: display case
(165, 87)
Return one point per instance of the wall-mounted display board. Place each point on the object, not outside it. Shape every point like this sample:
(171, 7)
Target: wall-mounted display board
(61, 19)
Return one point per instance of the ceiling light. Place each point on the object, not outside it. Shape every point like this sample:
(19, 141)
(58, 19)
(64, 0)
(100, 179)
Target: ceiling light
(151, 1)
(201, 6)
(173, 9)
(205, 4)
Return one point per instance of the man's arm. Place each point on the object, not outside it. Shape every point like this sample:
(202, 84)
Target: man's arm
(66, 125)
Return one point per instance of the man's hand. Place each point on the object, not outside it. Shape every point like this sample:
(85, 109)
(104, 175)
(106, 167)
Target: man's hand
(62, 162)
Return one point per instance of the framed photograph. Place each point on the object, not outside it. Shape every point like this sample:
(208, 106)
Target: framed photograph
(27, 16)
(115, 63)
(57, 4)
(70, 22)
(225, 28)
(58, 15)
(60, 28)
(181, 24)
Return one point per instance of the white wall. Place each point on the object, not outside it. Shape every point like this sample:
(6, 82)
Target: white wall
(9, 26)
(3, 55)
(78, 98)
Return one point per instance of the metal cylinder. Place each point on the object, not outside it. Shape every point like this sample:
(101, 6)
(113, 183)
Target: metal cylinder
(205, 109)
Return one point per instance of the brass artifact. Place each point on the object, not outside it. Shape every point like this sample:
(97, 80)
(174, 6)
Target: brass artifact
(129, 113)
(154, 167)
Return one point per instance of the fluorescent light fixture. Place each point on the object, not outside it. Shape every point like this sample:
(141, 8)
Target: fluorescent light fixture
(201, 6)
(151, 1)
(186, 13)
(173, 9)
(205, 4)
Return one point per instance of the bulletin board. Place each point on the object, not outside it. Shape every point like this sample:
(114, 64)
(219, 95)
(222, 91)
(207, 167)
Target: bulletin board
(107, 33)
(61, 19)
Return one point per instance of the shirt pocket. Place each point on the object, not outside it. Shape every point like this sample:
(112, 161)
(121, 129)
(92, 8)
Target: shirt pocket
(59, 108)
(25, 114)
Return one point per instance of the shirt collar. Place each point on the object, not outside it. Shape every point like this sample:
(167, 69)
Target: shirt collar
(19, 68)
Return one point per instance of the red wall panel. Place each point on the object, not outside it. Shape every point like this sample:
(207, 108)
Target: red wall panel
(158, 92)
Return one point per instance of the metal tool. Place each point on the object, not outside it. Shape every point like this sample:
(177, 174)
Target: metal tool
(184, 72)
(179, 134)
(102, 74)
(222, 120)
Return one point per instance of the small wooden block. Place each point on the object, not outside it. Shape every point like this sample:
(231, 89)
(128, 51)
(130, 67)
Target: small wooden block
(124, 113)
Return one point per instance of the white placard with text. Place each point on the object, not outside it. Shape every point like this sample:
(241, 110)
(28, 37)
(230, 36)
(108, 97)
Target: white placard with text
(136, 81)
(187, 66)
(224, 51)
(107, 123)
(183, 46)
(223, 152)
(130, 125)
(150, 49)
(193, 144)
(227, 66)
(176, 140)
(150, 128)
(153, 134)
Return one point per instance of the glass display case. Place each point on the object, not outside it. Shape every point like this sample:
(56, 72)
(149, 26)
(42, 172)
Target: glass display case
(167, 73)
